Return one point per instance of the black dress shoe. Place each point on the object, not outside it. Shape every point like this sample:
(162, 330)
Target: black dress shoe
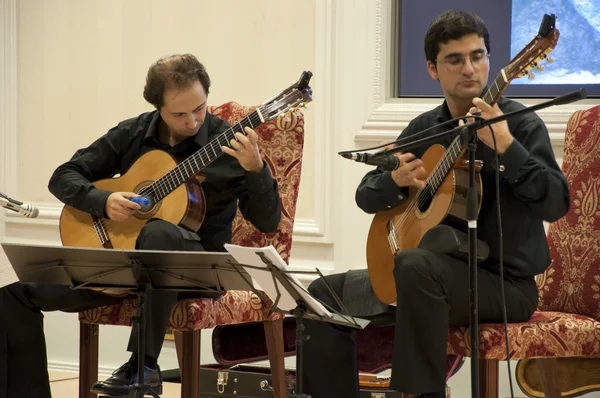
(118, 384)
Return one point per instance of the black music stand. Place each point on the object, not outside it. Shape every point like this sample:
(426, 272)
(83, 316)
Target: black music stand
(137, 270)
(289, 297)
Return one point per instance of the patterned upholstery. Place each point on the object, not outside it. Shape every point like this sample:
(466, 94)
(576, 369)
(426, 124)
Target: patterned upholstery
(234, 306)
(546, 334)
(572, 283)
(281, 142)
(568, 321)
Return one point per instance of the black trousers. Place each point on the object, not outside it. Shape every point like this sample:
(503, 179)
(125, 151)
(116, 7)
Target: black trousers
(433, 293)
(23, 362)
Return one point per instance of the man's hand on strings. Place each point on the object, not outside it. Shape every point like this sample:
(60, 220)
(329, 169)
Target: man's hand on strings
(411, 172)
(245, 149)
(118, 207)
(501, 131)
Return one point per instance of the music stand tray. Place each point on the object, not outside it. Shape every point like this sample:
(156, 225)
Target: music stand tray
(101, 268)
(137, 270)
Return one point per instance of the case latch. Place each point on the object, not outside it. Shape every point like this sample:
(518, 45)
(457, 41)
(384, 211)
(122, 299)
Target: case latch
(264, 385)
(222, 381)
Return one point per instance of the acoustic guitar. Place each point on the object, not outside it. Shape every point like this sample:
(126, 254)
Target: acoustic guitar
(172, 189)
(443, 200)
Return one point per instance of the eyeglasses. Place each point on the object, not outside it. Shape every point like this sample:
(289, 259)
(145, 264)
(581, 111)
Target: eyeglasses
(456, 62)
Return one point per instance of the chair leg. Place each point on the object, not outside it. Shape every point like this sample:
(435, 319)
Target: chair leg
(549, 376)
(190, 364)
(88, 358)
(488, 378)
(274, 338)
(178, 337)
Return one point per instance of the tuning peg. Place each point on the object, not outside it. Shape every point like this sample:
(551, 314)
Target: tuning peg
(549, 59)
(531, 75)
(540, 67)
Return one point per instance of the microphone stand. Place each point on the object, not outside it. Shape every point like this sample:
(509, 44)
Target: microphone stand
(469, 137)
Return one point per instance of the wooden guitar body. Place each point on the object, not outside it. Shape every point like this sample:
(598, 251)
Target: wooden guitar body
(403, 227)
(184, 206)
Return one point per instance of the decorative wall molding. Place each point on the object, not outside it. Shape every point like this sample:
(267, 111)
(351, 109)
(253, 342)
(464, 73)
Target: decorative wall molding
(49, 214)
(386, 123)
(318, 230)
(8, 97)
(380, 56)
(377, 137)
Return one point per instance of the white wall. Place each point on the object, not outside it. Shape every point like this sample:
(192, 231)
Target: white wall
(71, 56)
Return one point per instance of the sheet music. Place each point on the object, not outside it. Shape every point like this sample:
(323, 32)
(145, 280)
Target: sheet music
(247, 255)
(7, 273)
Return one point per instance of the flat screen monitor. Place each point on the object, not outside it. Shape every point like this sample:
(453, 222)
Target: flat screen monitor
(511, 24)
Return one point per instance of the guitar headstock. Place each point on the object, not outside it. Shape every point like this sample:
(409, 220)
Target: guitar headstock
(292, 98)
(537, 50)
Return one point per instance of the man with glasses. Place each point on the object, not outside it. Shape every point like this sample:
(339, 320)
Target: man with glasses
(433, 287)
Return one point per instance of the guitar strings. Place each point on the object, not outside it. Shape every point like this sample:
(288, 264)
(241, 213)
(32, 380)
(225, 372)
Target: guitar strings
(165, 184)
(428, 192)
(422, 196)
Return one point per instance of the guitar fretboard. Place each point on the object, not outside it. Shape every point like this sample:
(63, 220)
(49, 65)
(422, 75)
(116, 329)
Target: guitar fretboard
(456, 148)
(199, 160)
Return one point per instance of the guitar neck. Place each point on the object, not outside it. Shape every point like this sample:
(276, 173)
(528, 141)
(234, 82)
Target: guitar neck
(202, 158)
(496, 89)
(456, 148)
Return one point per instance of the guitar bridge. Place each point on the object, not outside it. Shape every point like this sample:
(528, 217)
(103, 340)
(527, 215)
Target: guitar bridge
(101, 232)
(392, 238)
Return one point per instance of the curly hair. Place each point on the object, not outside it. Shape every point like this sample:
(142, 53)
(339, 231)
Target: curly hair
(173, 72)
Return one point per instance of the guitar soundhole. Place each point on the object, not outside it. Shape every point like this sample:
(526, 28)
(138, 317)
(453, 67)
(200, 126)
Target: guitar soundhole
(149, 207)
(146, 208)
(424, 202)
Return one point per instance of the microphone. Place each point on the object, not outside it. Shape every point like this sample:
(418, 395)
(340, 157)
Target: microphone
(385, 159)
(386, 162)
(27, 210)
(569, 97)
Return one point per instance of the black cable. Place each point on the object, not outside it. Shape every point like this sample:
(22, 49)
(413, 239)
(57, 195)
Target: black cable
(501, 260)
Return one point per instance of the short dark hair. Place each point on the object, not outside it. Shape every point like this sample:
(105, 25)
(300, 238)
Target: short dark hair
(453, 25)
(173, 72)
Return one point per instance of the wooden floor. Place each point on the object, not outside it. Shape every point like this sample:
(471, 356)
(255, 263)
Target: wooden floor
(65, 385)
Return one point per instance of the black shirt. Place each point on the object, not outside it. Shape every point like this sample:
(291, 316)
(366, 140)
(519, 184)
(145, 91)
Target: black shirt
(226, 181)
(532, 189)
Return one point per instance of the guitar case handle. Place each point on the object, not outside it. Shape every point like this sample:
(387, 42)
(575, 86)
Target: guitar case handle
(451, 241)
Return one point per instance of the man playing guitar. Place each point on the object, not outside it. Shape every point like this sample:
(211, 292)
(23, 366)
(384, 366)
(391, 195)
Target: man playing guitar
(177, 86)
(432, 288)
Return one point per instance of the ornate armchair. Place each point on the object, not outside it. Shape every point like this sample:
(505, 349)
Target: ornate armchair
(567, 323)
(281, 142)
